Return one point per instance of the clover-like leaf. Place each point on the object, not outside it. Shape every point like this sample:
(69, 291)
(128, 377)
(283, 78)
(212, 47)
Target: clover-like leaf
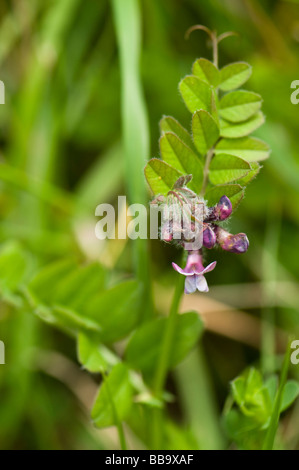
(205, 131)
(169, 124)
(239, 105)
(249, 148)
(226, 168)
(160, 176)
(241, 129)
(232, 76)
(255, 169)
(206, 71)
(196, 93)
(182, 158)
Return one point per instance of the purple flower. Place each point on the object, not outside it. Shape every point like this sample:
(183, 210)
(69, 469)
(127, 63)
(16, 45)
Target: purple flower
(209, 237)
(233, 243)
(194, 272)
(222, 210)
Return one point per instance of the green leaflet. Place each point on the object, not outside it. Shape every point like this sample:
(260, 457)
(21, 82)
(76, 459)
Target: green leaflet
(182, 158)
(206, 71)
(205, 131)
(239, 105)
(160, 176)
(93, 355)
(196, 94)
(226, 168)
(232, 76)
(169, 124)
(231, 130)
(234, 192)
(143, 350)
(114, 399)
(255, 169)
(249, 148)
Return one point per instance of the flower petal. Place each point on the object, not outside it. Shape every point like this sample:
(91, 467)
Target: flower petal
(181, 271)
(202, 284)
(209, 268)
(190, 284)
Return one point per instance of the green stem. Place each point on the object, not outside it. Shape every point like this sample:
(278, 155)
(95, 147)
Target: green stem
(163, 365)
(119, 426)
(271, 433)
(270, 254)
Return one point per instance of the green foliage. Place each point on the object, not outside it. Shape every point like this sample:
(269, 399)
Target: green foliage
(220, 135)
(248, 422)
(114, 400)
(144, 348)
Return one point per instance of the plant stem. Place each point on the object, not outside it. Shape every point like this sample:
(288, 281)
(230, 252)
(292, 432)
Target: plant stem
(215, 48)
(162, 369)
(270, 254)
(163, 365)
(271, 433)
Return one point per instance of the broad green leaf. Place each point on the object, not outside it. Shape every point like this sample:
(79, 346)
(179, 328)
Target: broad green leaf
(232, 76)
(114, 400)
(169, 124)
(144, 348)
(160, 176)
(196, 93)
(230, 130)
(206, 71)
(182, 158)
(93, 355)
(227, 168)
(289, 395)
(116, 310)
(68, 284)
(234, 192)
(205, 131)
(255, 169)
(239, 105)
(15, 267)
(250, 149)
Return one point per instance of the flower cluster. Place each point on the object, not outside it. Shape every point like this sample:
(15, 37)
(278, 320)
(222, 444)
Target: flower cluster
(188, 221)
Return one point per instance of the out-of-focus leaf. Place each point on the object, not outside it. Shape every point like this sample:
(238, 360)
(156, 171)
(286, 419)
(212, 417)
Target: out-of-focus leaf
(206, 71)
(93, 355)
(196, 94)
(182, 158)
(144, 347)
(239, 105)
(169, 124)
(114, 400)
(227, 168)
(116, 310)
(232, 131)
(232, 76)
(234, 192)
(160, 176)
(249, 148)
(289, 395)
(205, 131)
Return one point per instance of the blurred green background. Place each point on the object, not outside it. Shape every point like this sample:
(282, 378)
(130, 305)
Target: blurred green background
(61, 156)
